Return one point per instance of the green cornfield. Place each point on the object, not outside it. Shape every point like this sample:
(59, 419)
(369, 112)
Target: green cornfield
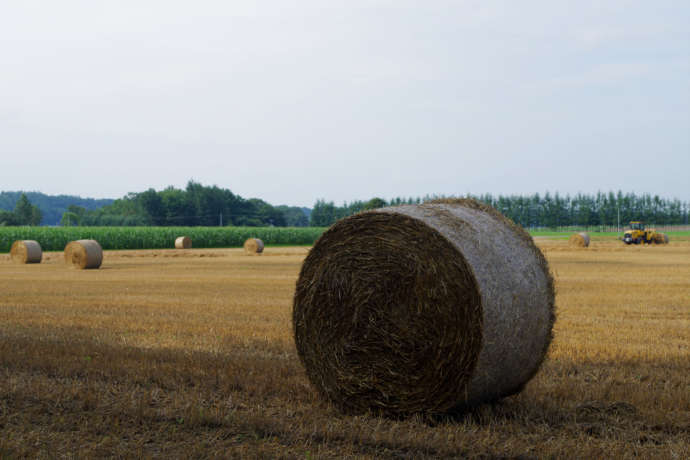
(56, 238)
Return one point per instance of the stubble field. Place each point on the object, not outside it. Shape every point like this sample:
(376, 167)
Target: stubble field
(190, 353)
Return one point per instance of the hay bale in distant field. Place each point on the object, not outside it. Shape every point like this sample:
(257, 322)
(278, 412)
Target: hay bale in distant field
(580, 240)
(661, 238)
(84, 254)
(26, 252)
(422, 309)
(183, 242)
(254, 246)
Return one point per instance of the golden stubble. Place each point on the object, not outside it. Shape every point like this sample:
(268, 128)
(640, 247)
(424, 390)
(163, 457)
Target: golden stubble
(193, 300)
(190, 353)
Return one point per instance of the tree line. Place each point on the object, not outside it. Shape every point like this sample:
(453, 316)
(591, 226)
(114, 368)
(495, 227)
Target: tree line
(52, 206)
(24, 213)
(196, 205)
(199, 205)
(547, 210)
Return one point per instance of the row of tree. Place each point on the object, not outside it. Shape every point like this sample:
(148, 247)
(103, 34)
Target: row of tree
(326, 213)
(544, 210)
(24, 213)
(605, 209)
(52, 206)
(199, 205)
(196, 205)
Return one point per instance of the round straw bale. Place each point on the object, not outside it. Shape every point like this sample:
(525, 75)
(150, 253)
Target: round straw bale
(26, 252)
(422, 309)
(580, 240)
(83, 254)
(254, 246)
(183, 242)
(661, 238)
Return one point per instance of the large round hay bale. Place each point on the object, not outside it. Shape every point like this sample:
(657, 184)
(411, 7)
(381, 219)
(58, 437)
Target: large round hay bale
(580, 240)
(83, 254)
(26, 252)
(183, 242)
(254, 246)
(422, 309)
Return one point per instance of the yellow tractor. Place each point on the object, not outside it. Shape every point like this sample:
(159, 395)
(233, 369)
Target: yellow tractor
(637, 234)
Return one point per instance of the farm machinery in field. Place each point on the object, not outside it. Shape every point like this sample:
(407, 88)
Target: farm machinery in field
(637, 234)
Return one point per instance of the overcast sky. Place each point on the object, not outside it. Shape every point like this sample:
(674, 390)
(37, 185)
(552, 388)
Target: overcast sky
(345, 100)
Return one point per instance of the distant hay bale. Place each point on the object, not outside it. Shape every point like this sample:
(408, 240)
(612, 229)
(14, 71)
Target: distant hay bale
(183, 242)
(83, 254)
(661, 238)
(26, 252)
(253, 246)
(422, 309)
(580, 240)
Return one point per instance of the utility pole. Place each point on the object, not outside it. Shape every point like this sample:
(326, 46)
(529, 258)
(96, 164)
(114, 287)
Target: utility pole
(618, 225)
(220, 218)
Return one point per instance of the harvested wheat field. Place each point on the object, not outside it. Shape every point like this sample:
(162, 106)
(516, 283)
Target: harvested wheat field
(166, 353)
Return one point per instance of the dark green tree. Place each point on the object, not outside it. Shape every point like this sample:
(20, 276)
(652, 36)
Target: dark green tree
(323, 214)
(375, 203)
(36, 216)
(267, 214)
(7, 218)
(69, 219)
(294, 216)
(152, 203)
(78, 210)
(23, 210)
(25, 213)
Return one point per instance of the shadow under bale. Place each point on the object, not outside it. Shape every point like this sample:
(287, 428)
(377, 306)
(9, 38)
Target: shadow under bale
(422, 309)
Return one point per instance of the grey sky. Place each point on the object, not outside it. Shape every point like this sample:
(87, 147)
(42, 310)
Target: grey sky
(345, 100)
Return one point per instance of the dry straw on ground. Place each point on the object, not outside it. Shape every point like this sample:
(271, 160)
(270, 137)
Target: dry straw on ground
(183, 242)
(83, 254)
(428, 308)
(254, 246)
(26, 252)
(580, 240)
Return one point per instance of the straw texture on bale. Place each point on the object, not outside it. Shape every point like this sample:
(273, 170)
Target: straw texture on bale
(254, 246)
(26, 252)
(83, 254)
(580, 240)
(422, 309)
(183, 242)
